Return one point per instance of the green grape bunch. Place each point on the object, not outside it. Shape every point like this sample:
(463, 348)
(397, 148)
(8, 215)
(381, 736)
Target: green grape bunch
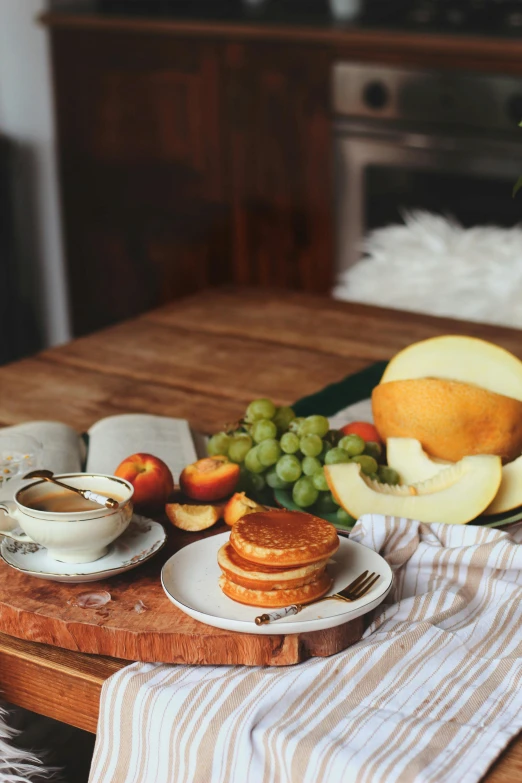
(278, 450)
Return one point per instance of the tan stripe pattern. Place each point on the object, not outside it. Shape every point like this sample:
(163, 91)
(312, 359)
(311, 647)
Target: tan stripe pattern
(432, 694)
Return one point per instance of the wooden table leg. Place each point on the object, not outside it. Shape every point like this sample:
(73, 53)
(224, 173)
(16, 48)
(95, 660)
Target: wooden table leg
(58, 683)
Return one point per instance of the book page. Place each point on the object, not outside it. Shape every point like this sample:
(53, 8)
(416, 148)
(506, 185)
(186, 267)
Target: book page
(115, 438)
(63, 450)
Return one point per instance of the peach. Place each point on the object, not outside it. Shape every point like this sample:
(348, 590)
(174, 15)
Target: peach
(150, 477)
(211, 478)
(193, 518)
(239, 506)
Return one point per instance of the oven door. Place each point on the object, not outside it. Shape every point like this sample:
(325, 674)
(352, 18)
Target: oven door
(382, 175)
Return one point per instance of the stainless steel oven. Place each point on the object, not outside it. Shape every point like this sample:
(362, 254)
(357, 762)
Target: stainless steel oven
(408, 139)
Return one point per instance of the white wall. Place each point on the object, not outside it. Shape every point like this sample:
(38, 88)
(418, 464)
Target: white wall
(26, 116)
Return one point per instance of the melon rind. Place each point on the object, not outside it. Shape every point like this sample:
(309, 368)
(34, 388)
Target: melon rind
(408, 458)
(450, 418)
(455, 496)
(459, 358)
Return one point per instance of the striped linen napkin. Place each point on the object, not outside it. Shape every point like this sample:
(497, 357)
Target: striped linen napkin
(431, 694)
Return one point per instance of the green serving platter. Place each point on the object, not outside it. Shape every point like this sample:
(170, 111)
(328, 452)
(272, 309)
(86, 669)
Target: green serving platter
(499, 520)
(284, 499)
(336, 397)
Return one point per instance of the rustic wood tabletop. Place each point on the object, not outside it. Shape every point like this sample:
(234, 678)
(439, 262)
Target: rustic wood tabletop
(203, 359)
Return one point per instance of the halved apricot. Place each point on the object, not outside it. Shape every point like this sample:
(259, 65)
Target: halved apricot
(239, 506)
(193, 518)
(211, 478)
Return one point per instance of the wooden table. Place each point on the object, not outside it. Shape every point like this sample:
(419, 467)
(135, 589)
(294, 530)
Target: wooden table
(203, 359)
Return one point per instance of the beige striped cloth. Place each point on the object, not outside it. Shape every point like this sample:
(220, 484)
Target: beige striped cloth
(432, 693)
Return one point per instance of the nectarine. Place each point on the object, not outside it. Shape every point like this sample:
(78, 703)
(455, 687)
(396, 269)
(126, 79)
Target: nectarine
(211, 478)
(150, 477)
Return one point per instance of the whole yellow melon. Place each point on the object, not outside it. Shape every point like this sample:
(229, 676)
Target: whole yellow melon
(451, 419)
(459, 358)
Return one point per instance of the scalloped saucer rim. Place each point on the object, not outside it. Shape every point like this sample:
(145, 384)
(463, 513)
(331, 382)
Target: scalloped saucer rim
(138, 543)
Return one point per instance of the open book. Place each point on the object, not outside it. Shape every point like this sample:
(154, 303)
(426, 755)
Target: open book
(109, 442)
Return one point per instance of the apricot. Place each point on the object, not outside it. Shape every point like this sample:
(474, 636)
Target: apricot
(193, 518)
(239, 506)
(211, 478)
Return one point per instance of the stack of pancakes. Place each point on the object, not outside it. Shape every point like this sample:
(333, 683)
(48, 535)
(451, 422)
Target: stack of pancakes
(277, 558)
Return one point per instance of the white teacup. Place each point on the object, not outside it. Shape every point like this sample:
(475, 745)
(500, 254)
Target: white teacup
(69, 536)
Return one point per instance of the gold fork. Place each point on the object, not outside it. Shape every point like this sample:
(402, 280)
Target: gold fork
(352, 592)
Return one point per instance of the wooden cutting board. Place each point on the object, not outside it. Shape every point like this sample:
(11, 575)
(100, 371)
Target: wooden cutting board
(41, 611)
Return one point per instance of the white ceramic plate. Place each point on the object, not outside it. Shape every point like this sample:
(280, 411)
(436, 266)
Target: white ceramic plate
(140, 541)
(190, 580)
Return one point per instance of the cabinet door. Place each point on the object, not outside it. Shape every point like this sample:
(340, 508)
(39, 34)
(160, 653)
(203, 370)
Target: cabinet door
(141, 161)
(280, 153)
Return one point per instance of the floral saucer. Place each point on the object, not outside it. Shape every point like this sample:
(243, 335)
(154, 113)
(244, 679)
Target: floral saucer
(140, 541)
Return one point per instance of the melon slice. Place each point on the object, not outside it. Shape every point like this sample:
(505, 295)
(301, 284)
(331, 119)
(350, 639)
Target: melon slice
(458, 358)
(509, 495)
(408, 458)
(455, 496)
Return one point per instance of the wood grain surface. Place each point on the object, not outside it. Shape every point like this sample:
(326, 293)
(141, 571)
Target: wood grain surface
(54, 682)
(240, 342)
(43, 611)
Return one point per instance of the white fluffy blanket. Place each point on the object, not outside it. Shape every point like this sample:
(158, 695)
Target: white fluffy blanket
(17, 766)
(433, 265)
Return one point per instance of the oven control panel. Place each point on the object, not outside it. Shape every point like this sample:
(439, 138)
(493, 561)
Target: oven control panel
(480, 101)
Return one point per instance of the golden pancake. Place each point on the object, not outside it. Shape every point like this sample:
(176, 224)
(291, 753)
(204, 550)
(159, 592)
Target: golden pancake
(284, 538)
(272, 599)
(259, 577)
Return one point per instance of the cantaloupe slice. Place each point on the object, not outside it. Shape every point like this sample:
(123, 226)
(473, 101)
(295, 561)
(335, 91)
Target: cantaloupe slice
(451, 419)
(455, 496)
(509, 495)
(408, 458)
(458, 358)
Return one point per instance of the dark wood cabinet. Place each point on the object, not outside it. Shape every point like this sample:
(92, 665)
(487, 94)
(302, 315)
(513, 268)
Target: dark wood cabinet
(142, 171)
(279, 146)
(187, 163)
(198, 151)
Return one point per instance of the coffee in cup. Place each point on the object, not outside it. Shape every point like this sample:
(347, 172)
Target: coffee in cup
(73, 529)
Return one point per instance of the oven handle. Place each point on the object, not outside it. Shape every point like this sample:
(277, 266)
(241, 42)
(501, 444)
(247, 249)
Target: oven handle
(432, 141)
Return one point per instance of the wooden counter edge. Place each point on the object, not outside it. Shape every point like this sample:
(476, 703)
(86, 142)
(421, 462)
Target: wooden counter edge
(57, 683)
(483, 46)
(66, 685)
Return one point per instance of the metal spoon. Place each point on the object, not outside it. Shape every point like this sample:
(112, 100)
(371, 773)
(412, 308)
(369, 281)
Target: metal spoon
(48, 475)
